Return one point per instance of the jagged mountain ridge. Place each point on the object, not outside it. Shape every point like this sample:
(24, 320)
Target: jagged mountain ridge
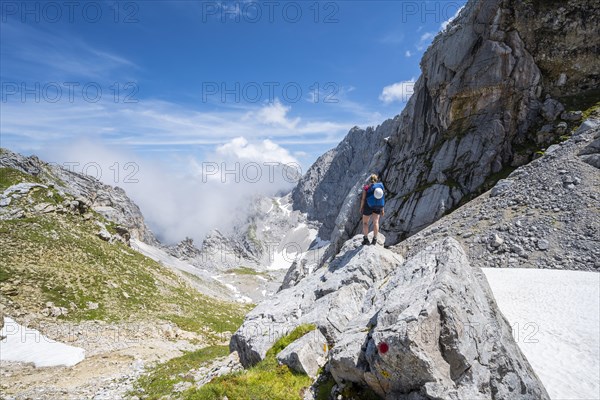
(111, 202)
(270, 228)
(543, 215)
(480, 107)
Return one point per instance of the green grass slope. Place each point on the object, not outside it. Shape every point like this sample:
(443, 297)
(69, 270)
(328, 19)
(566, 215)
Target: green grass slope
(58, 257)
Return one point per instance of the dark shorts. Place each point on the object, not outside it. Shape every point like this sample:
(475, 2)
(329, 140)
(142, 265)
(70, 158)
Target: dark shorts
(368, 210)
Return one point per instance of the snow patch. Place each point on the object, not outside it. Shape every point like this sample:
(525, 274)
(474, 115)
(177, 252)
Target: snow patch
(285, 208)
(162, 256)
(238, 296)
(318, 242)
(28, 345)
(555, 316)
(282, 260)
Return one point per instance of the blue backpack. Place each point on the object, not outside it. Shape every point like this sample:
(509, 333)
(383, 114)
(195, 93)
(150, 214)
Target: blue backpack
(372, 200)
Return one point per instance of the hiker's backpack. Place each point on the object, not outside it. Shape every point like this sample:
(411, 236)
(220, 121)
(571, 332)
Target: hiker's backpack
(375, 196)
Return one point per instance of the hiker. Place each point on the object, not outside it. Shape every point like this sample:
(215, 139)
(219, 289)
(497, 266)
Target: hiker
(371, 206)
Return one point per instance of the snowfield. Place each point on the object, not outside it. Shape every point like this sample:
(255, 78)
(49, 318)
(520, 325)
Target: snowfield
(555, 316)
(28, 345)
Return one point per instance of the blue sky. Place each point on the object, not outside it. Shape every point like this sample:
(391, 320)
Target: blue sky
(172, 63)
(174, 86)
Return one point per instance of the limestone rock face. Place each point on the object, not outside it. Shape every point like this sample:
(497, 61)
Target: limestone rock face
(331, 295)
(487, 85)
(427, 327)
(334, 182)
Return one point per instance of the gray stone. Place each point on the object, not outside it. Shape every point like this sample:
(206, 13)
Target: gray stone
(551, 109)
(383, 315)
(181, 386)
(552, 149)
(543, 244)
(501, 187)
(586, 126)
(571, 115)
(306, 354)
(496, 241)
(591, 153)
(515, 248)
(104, 235)
(216, 368)
(332, 295)
(592, 159)
(561, 128)
(54, 311)
(20, 188)
(545, 134)
(44, 208)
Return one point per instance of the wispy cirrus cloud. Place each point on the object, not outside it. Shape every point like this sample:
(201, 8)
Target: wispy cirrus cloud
(30, 121)
(37, 54)
(393, 38)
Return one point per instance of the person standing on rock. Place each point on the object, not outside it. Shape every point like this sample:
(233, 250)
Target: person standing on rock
(371, 207)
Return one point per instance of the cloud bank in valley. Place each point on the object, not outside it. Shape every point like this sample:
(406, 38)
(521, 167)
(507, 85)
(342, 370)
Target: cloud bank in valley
(186, 196)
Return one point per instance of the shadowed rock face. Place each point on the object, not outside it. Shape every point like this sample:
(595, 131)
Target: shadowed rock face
(334, 182)
(427, 327)
(483, 92)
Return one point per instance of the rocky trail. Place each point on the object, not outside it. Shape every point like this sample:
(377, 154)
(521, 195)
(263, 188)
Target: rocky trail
(116, 355)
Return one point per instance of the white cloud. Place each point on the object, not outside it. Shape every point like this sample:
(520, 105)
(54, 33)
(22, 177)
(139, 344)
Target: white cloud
(300, 154)
(408, 54)
(264, 151)
(183, 195)
(452, 18)
(399, 91)
(31, 125)
(275, 114)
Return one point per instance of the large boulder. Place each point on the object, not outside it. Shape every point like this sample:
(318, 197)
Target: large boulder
(591, 153)
(306, 354)
(329, 297)
(423, 328)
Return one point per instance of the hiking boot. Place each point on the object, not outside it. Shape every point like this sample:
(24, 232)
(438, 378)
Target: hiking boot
(374, 241)
(365, 240)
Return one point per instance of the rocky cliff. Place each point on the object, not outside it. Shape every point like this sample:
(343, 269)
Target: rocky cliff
(503, 85)
(417, 320)
(493, 89)
(543, 215)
